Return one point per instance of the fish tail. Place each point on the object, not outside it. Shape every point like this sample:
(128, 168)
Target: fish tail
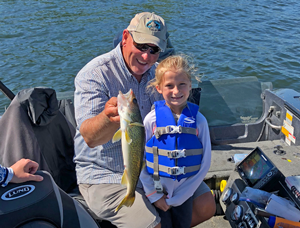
(127, 201)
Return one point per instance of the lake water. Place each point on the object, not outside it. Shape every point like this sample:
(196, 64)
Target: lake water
(46, 42)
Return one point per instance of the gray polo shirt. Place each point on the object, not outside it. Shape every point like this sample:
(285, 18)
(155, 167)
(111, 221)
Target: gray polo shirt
(98, 81)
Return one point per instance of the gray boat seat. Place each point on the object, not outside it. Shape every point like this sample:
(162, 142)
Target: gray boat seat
(33, 127)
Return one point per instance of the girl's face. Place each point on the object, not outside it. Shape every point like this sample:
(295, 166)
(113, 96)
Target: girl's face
(175, 88)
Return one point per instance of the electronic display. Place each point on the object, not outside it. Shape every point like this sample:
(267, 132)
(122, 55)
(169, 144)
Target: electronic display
(255, 167)
(257, 171)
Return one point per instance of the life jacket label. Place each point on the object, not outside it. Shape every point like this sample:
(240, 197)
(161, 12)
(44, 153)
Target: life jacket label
(189, 120)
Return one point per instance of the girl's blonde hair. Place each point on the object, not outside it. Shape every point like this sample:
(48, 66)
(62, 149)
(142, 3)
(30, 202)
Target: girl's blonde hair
(177, 63)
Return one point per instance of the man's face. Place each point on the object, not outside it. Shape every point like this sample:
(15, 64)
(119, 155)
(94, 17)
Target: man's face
(138, 62)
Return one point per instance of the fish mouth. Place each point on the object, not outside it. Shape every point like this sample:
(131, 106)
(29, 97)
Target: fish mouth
(124, 104)
(124, 97)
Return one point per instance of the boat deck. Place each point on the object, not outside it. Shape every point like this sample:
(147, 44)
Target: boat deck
(215, 222)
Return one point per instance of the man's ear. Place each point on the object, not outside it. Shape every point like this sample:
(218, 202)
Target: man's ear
(125, 37)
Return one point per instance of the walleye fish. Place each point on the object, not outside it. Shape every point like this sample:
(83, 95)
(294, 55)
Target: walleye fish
(132, 135)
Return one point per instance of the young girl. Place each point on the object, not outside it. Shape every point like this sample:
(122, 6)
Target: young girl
(178, 150)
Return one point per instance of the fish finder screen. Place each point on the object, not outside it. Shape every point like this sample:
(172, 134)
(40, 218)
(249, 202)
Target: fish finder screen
(255, 167)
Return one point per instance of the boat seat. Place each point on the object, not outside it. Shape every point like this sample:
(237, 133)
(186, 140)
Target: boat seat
(66, 106)
(33, 127)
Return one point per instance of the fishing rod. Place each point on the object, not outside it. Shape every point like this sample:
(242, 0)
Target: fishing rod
(6, 91)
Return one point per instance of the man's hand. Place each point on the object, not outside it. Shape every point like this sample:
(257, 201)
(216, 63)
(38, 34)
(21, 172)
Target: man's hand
(162, 204)
(100, 129)
(111, 110)
(24, 170)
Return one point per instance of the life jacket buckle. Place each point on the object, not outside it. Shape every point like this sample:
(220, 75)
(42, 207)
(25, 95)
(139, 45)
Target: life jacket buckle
(176, 170)
(158, 186)
(176, 154)
(173, 129)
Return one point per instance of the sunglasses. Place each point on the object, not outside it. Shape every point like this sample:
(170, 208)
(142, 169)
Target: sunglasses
(145, 47)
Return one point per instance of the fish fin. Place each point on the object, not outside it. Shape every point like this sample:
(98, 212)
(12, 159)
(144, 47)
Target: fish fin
(128, 139)
(117, 136)
(127, 201)
(124, 178)
(136, 124)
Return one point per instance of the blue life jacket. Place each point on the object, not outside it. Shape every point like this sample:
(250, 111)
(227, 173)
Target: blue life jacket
(174, 151)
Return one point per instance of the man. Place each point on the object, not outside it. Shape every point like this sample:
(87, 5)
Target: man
(99, 162)
(22, 171)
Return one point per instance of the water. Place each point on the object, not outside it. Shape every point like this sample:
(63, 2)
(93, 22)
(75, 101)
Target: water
(46, 42)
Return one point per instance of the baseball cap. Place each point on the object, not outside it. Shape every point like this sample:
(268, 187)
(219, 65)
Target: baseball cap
(149, 28)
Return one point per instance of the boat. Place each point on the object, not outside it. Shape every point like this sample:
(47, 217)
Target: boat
(246, 117)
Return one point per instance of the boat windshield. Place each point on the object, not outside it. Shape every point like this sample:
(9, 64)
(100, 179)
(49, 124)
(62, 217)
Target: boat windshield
(232, 101)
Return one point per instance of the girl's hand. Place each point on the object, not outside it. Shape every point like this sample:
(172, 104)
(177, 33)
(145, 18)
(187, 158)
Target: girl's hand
(162, 204)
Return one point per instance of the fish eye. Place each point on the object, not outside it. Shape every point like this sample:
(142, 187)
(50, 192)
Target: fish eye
(134, 100)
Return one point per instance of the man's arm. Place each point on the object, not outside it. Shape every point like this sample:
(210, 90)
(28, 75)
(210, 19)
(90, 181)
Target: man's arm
(100, 129)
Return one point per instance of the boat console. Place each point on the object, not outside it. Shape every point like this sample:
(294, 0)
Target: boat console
(257, 171)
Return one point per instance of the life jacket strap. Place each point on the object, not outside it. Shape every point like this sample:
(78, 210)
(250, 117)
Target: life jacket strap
(155, 163)
(174, 154)
(158, 186)
(176, 170)
(173, 129)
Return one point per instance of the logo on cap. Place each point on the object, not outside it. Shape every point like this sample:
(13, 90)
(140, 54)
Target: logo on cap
(153, 25)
